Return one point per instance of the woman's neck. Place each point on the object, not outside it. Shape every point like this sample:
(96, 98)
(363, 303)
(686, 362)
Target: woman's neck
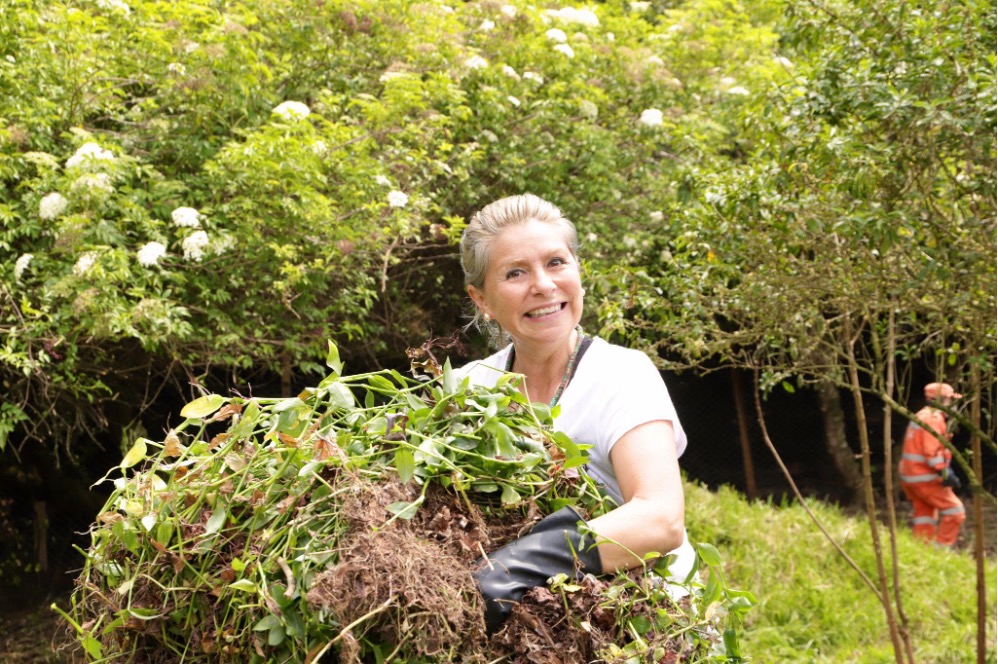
(545, 367)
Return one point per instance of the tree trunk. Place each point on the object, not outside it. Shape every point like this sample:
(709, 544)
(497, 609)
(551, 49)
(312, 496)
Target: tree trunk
(836, 442)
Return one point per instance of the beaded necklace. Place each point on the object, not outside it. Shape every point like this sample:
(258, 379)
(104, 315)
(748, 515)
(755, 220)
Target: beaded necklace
(569, 370)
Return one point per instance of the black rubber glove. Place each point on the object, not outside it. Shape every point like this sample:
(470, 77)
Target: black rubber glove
(950, 479)
(550, 548)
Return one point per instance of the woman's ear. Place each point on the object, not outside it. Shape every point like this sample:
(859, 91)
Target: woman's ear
(478, 298)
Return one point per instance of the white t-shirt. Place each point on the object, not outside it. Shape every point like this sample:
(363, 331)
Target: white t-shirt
(614, 390)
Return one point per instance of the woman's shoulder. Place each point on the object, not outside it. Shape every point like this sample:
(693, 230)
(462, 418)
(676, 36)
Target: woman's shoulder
(487, 370)
(612, 353)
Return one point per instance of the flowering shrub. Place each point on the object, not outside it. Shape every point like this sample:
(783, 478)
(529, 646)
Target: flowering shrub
(181, 193)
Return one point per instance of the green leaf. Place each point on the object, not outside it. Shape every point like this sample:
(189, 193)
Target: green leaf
(404, 510)
(340, 395)
(510, 495)
(215, 521)
(244, 585)
(710, 554)
(135, 455)
(164, 532)
(202, 407)
(266, 623)
(93, 647)
(276, 636)
(405, 464)
(333, 359)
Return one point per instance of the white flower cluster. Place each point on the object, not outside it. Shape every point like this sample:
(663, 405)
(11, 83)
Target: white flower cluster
(640, 6)
(116, 5)
(531, 76)
(586, 17)
(513, 100)
(509, 71)
(651, 117)
(397, 199)
(487, 25)
(194, 245)
(292, 110)
(738, 90)
(89, 151)
(565, 49)
(21, 264)
(392, 75)
(176, 68)
(382, 180)
(476, 62)
(52, 205)
(508, 10)
(84, 263)
(588, 109)
(186, 217)
(92, 183)
(555, 34)
(150, 253)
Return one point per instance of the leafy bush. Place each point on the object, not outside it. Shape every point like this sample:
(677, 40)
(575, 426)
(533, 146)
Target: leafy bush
(347, 519)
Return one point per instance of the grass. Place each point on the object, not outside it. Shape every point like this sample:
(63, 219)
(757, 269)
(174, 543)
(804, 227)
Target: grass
(813, 606)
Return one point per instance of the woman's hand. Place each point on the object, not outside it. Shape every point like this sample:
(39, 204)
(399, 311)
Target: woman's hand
(652, 516)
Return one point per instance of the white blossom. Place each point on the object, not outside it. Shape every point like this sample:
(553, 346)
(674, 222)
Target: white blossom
(509, 71)
(383, 181)
(727, 80)
(566, 49)
(150, 253)
(554, 34)
(191, 46)
(319, 148)
(784, 62)
(84, 263)
(116, 5)
(586, 17)
(640, 6)
(186, 217)
(513, 100)
(397, 199)
(21, 264)
(89, 151)
(656, 216)
(487, 25)
(630, 242)
(589, 109)
(591, 237)
(651, 117)
(90, 183)
(194, 245)
(176, 68)
(508, 10)
(531, 76)
(476, 62)
(655, 60)
(714, 197)
(738, 90)
(52, 205)
(222, 244)
(292, 110)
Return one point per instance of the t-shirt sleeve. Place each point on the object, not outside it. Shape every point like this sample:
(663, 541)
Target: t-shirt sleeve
(639, 395)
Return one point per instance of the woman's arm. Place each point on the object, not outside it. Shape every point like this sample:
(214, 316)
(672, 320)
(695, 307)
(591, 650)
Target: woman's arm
(653, 513)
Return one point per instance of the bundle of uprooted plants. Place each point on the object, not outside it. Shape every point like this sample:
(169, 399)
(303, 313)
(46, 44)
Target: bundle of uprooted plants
(343, 524)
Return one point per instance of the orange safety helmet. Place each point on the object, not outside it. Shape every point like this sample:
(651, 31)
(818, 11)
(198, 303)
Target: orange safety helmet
(937, 391)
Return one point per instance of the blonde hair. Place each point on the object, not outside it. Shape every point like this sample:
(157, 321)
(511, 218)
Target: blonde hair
(488, 223)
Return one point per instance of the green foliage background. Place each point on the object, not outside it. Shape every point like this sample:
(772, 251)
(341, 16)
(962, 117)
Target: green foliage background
(755, 183)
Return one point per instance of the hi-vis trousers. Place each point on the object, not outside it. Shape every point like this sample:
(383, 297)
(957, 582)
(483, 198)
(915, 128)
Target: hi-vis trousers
(938, 512)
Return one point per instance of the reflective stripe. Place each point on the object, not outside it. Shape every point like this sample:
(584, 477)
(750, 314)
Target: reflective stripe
(924, 519)
(918, 479)
(936, 460)
(952, 510)
(914, 457)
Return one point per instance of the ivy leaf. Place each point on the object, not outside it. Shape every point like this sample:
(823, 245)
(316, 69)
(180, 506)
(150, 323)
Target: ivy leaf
(333, 358)
(135, 455)
(202, 407)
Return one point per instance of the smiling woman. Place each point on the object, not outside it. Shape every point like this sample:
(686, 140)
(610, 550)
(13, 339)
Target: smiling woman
(521, 266)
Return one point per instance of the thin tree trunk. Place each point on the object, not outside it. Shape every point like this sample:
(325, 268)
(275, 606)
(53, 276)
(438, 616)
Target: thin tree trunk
(750, 486)
(871, 508)
(889, 479)
(975, 450)
(836, 441)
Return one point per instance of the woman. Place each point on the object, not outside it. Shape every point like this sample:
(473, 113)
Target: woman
(521, 267)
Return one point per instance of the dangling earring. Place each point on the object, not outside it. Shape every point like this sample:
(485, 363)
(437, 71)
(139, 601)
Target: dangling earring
(487, 318)
(583, 291)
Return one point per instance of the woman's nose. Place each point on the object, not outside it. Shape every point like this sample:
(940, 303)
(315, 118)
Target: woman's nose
(543, 283)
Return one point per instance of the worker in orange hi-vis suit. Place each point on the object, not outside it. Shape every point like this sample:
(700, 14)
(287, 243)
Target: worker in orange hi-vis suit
(926, 477)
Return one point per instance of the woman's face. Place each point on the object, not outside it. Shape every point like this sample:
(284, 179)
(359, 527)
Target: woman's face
(532, 286)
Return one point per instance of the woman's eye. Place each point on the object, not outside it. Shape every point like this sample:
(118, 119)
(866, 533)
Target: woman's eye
(512, 274)
(558, 261)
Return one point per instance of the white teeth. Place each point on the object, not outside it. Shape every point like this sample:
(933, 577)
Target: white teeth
(546, 310)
